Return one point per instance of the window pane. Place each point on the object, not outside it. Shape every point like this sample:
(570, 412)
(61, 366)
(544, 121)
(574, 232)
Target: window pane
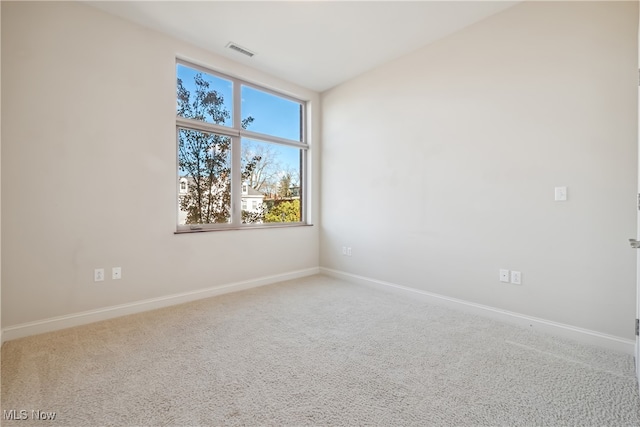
(204, 161)
(270, 114)
(204, 97)
(271, 177)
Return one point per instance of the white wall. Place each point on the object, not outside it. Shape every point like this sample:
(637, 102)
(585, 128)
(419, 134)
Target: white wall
(89, 169)
(439, 168)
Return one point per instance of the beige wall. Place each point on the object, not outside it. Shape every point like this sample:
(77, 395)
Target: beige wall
(89, 169)
(459, 147)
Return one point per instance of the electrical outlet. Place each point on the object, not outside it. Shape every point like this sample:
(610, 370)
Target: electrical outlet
(344, 250)
(116, 273)
(98, 275)
(349, 251)
(504, 276)
(516, 277)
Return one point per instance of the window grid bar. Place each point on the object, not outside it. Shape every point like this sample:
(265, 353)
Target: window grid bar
(274, 139)
(192, 124)
(236, 162)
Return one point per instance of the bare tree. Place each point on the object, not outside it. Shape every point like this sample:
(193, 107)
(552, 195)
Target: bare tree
(264, 175)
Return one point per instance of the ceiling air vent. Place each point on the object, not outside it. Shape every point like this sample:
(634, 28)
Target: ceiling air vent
(240, 49)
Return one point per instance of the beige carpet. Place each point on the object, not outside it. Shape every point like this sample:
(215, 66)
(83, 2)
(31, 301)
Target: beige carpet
(315, 351)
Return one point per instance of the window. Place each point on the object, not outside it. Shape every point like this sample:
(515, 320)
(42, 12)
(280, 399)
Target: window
(235, 140)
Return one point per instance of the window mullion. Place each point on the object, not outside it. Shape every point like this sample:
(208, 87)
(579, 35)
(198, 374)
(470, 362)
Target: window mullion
(269, 138)
(206, 127)
(236, 161)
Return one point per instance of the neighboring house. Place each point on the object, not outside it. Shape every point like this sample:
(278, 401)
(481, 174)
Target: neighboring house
(251, 201)
(183, 188)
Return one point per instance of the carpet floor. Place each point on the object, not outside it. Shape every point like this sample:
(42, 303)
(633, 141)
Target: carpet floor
(314, 351)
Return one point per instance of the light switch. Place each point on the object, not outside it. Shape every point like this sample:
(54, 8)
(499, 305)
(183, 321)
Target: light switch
(561, 194)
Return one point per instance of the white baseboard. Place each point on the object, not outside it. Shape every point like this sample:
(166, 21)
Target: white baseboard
(559, 329)
(83, 318)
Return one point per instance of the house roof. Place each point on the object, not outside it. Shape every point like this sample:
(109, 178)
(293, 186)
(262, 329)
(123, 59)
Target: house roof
(253, 192)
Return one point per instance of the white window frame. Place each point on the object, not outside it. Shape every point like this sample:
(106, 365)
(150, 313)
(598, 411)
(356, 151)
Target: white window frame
(236, 133)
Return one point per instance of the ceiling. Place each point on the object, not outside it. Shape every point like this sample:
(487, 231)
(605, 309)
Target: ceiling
(316, 44)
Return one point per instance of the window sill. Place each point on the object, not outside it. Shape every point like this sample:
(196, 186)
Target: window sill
(244, 227)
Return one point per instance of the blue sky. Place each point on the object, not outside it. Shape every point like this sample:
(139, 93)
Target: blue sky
(272, 115)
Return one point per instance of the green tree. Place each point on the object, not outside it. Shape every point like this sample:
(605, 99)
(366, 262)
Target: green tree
(285, 211)
(284, 187)
(205, 158)
(249, 217)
